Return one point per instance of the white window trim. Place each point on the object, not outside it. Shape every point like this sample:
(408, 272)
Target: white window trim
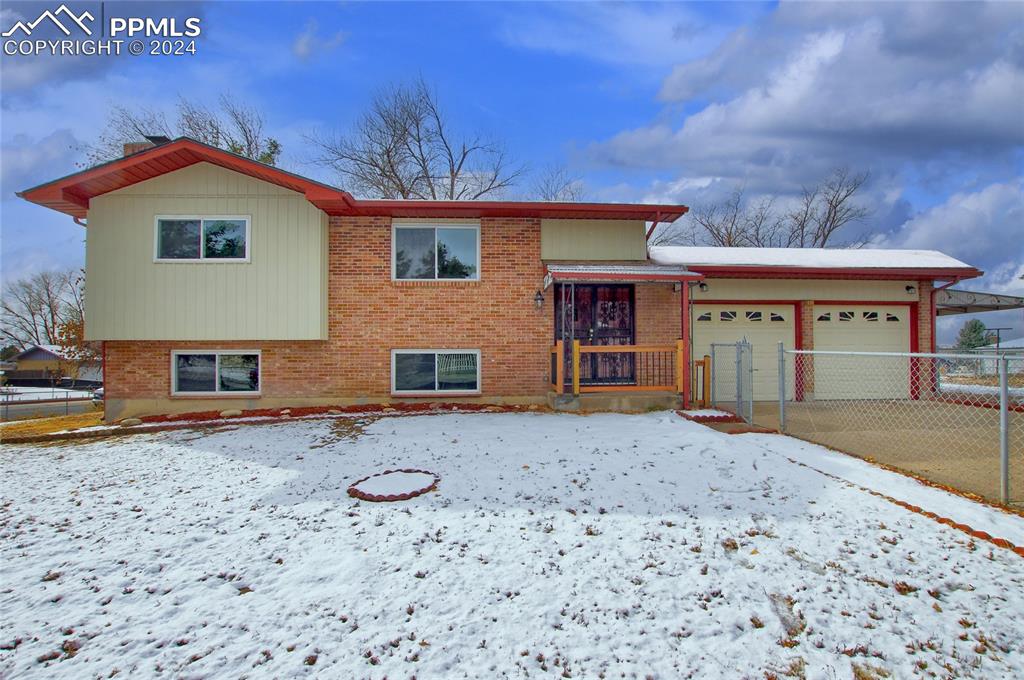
(202, 240)
(479, 371)
(216, 373)
(435, 226)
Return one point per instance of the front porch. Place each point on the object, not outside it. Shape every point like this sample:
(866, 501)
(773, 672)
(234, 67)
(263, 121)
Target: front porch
(621, 340)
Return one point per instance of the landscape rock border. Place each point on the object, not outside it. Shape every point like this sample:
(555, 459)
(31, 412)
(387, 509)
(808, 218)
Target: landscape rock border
(376, 498)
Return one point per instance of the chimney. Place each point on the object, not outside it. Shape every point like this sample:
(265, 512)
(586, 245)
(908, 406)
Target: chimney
(136, 147)
(151, 141)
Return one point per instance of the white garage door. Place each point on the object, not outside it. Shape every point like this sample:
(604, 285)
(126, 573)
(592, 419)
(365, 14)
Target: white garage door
(763, 326)
(861, 328)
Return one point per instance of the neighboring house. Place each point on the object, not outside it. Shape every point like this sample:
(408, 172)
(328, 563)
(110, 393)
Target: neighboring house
(51, 364)
(217, 282)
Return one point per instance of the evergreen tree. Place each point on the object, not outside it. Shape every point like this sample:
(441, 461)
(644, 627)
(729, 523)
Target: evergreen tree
(972, 335)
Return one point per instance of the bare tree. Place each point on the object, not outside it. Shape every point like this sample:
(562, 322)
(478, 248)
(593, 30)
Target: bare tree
(554, 183)
(34, 308)
(820, 214)
(403, 147)
(236, 127)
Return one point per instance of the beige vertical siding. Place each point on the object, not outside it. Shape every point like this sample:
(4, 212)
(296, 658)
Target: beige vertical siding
(280, 294)
(593, 240)
(805, 289)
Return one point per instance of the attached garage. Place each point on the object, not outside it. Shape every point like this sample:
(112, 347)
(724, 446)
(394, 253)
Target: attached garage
(764, 326)
(861, 328)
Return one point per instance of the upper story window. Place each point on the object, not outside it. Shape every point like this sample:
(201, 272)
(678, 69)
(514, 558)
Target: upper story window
(442, 253)
(196, 238)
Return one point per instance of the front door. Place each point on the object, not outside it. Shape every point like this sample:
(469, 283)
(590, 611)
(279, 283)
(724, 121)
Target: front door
(597, 314)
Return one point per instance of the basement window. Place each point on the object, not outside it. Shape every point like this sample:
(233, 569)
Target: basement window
(193, 238)
(443, 253)
(418, 371)
(215, 373)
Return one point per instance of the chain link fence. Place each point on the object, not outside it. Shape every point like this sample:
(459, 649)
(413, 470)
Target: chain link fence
(732, 378)
(954, 419)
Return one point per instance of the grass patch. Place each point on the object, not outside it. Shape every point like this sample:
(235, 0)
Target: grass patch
(37, 426)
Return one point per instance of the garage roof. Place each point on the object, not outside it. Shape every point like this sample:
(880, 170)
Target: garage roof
(814, 261)
(71, 194)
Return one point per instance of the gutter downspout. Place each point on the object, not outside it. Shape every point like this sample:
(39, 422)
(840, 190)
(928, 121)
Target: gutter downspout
(79, 222)
(934, 311)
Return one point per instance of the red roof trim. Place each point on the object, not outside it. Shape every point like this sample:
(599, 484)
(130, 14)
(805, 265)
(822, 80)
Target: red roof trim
(71, 194)
(619, 276)
(878, 273)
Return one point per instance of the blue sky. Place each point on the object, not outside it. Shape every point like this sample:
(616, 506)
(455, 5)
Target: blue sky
(644, 102)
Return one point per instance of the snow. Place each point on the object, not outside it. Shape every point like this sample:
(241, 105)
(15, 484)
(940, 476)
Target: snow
(979, 389)
(709, 413)
(15, 393)
(635, 545)
(860, 258)
(395, 483)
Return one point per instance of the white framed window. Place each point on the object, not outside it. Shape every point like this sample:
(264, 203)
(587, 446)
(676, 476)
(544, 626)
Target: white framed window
(754, 315)
(869, 316)
(776, 317)
(442, 252)
(201, 238)
(727, 316)
(706, 316)
(420, 371)
(228, 372)
(827, 316)
(846, 316)
(891, 317)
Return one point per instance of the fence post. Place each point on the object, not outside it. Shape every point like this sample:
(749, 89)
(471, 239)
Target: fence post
(705, 392)
(1004, 429)
(750, 383)
(782, 387)
(713, 399)
(681, 371)
(739, 380)
(576, 367)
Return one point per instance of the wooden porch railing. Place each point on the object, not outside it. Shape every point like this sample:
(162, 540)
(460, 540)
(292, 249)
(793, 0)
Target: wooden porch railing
(618, 368)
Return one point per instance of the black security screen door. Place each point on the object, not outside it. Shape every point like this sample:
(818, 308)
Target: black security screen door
(597, 314)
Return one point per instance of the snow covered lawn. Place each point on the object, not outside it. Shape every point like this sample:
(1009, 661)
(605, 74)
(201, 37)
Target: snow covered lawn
(555, 546)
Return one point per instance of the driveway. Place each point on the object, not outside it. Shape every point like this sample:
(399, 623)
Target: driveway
(555, 545)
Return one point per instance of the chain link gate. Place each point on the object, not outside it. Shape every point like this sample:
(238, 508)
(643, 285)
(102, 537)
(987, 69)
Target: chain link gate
(732, 378)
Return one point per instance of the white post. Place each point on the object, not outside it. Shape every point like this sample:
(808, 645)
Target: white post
(713, 399)
(739, 381)
(1004, 429)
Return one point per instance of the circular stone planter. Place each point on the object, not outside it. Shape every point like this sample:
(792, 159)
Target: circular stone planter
(394, 485)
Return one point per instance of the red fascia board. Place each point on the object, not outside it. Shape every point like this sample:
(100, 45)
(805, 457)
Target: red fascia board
(783, 272)
(474, 209)
(618, 276)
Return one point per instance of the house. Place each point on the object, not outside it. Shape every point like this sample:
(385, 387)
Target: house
(217, 282)
(50, 364)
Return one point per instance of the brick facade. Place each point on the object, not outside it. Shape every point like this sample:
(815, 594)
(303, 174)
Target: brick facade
(369, 315)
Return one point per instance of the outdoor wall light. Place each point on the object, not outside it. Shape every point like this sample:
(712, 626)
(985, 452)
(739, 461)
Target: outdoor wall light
(538, 299)
(911, 290)
(703, 287)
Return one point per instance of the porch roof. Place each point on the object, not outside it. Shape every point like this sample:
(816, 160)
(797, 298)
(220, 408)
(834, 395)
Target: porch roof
(951, 301)
(629, 273)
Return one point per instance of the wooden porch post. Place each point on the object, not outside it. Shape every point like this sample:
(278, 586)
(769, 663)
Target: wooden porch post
(576, 367)
(684, 351)
(705, 397)
(560, 367)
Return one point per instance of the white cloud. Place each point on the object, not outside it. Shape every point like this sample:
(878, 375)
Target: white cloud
(308, 44)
